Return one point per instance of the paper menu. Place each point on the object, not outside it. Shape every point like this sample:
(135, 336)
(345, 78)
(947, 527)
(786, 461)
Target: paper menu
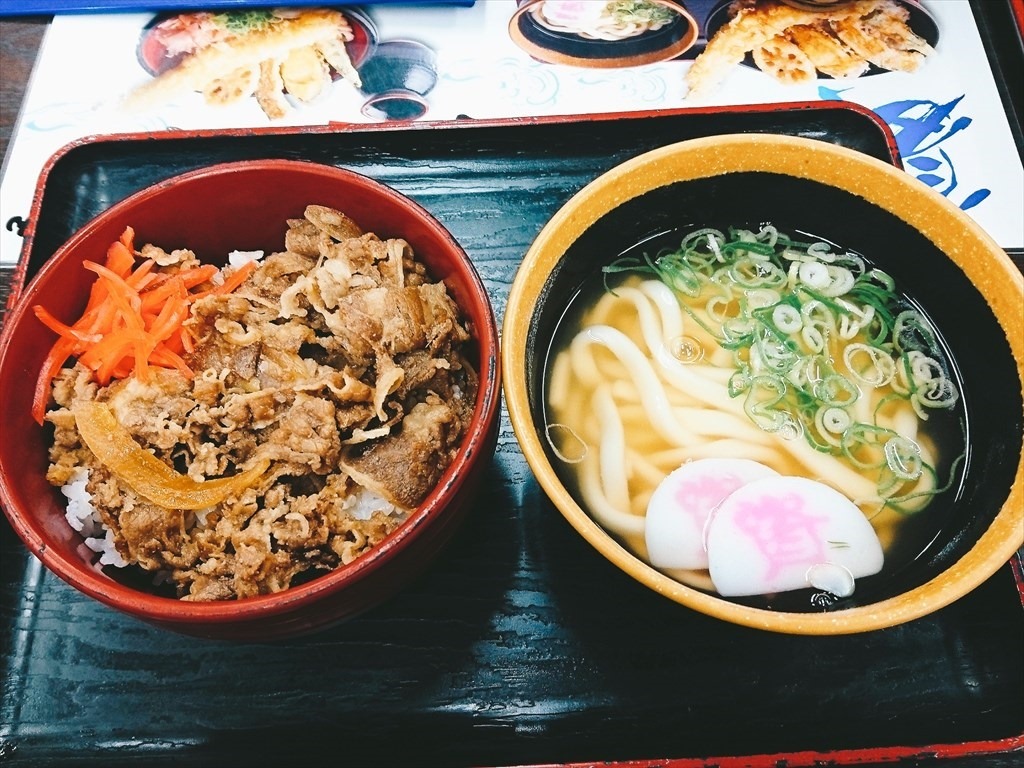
(948, 116)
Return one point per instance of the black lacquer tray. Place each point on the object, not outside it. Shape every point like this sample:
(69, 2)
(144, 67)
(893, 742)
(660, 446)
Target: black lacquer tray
(520, 645)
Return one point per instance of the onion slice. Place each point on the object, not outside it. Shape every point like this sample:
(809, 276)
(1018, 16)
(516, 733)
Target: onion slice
(116, 449)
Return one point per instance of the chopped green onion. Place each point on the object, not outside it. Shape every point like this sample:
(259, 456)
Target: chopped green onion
(809, 328)
(903, 457)
(786, 318)
(869, 365)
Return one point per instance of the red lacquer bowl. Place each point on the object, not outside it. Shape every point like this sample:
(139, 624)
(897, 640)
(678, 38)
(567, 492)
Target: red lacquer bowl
(215, 210)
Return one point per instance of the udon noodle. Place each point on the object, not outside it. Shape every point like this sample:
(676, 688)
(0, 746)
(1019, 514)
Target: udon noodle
(746, 344)
(615, 20)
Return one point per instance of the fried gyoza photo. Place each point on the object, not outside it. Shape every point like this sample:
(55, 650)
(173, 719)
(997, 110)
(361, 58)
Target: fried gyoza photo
(794, 45)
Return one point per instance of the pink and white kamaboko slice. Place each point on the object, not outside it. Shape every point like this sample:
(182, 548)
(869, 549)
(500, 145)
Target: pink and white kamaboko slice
(782, 533)
(678, 511)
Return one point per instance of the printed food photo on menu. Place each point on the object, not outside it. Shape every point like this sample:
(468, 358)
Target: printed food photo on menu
(592, 33)
(798, 41)
(792, 41)
(229, 56)
(283, 58)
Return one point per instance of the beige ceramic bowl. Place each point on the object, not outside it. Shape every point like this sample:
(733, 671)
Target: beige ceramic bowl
(937, 254)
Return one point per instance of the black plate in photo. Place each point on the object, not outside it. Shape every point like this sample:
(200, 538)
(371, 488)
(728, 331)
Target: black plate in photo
(920, 21)
(561, 45)
(154, 56)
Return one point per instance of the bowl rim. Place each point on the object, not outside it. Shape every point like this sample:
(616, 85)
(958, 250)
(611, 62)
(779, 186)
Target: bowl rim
(880, 183)
(170, 611)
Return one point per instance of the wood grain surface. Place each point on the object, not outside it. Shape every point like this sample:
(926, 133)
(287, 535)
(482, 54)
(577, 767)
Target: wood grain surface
(19, 43)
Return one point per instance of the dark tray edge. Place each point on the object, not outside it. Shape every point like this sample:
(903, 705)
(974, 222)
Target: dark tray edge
(1001, 26)
(19, 278)
(1011, 748)
(865, 756)
(967, 753)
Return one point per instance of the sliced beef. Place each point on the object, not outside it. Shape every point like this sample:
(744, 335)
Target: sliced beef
(404, 467)
(340, 362)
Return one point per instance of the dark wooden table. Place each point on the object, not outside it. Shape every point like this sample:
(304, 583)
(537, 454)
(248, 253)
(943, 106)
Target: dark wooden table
(19, 44)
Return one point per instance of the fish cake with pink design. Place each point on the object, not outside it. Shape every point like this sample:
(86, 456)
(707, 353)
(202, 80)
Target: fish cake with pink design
(779, 534)
(678, 511)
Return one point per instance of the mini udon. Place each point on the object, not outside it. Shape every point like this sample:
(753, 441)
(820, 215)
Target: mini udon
(612, 20)
(733, 404)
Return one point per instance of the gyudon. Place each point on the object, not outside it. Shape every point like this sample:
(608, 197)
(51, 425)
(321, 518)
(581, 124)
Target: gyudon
(232, 429)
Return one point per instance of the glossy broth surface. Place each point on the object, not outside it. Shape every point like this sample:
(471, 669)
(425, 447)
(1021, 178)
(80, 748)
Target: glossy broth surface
(904, 536)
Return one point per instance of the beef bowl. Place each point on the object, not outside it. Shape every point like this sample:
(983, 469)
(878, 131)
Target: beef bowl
(250, 401)
(776, 381)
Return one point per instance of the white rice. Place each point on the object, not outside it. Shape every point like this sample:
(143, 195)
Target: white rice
(201, 516)
(83, 517)
(363, 503)
(108, 552)
(238, 258)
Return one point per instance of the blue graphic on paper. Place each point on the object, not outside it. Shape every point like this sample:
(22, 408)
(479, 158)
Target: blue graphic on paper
(78, 116)
(920, 126)
(514, 84)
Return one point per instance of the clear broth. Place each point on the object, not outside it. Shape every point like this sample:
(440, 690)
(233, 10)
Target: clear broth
(948, 429)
